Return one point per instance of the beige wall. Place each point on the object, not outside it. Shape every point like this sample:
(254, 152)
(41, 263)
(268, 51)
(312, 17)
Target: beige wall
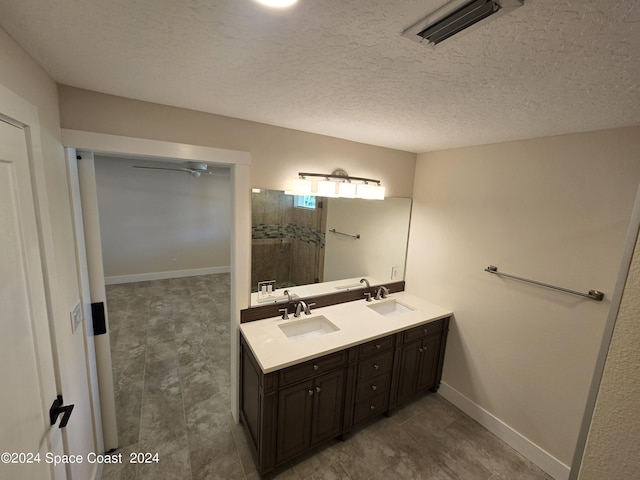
(555, 210)
(26, 79)
(149, 218)
(613, 444)
(277, 154)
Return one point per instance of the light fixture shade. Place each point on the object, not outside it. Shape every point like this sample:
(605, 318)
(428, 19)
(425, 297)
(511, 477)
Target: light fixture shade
(347, 190)
(363, 191)
(370, 192)
(326, 188)
(376, 192)
(300, 186)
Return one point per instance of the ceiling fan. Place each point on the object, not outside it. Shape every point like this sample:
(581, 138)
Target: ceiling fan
(195, 169)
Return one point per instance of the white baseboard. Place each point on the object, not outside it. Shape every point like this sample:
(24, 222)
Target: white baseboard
(145, 277)
(543, 459)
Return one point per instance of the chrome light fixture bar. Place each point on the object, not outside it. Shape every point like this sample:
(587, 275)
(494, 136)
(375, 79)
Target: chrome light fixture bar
(455, 17)
(369, 188)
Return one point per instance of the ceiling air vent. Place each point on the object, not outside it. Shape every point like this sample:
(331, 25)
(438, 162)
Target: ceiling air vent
(455, 17)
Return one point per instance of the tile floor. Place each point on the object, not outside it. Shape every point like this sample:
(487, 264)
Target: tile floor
(170, 349)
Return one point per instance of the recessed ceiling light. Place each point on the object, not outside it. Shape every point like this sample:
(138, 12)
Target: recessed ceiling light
(277, 3)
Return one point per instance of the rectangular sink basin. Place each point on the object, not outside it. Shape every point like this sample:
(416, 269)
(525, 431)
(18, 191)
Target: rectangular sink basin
(308, 327)
(390, 308)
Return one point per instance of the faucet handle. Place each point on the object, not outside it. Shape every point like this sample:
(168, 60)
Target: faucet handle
(285, 313)
(307, 310)
(367, 296)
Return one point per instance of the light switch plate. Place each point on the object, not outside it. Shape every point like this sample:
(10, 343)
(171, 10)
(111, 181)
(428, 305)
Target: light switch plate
(394, 272)
(76, 317)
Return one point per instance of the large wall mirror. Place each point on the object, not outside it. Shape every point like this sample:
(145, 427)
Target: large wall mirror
(324, 242)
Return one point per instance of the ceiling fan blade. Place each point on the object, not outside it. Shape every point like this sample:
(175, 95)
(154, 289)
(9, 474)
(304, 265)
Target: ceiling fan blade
(178, 169)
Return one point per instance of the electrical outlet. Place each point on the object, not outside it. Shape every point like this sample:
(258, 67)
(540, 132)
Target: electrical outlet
(76, 317)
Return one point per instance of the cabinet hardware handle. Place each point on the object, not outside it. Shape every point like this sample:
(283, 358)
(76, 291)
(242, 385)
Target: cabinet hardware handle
(316, 367)
(374, 387)
(310, 392)
(425, 330)
(378, 346)
(376, 366)
(420, 349)
(372, 407)
(318, 389)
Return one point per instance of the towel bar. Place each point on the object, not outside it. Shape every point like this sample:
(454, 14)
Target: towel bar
(593, 294)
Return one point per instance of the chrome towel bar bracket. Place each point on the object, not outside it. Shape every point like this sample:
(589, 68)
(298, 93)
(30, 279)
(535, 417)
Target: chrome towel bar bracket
(592, 294)
(333, 230)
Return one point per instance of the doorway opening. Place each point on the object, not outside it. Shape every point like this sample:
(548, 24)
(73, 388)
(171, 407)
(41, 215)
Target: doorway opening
(166, 248)
(232, 283)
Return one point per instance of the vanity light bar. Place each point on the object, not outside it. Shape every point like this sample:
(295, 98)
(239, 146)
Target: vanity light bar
(345, 189)
(339, 176)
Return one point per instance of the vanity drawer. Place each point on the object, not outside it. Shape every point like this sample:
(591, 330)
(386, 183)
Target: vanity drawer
(371, 367)
(313, 367)
(375, 346)
(373, 386)
(371, 406)
(423, 330)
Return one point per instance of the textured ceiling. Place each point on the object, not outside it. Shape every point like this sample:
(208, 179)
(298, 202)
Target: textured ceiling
(341, 68)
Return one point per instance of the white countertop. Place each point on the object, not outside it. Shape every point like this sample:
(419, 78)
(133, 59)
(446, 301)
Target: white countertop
(356, 322)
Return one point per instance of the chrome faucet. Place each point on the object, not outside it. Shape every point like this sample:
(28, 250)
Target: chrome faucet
(382, 292)
(300, 307)
(367, 294)
(285, 310)
(286, 292)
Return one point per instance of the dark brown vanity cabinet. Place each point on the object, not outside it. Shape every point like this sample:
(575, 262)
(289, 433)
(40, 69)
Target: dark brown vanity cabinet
(309, 413)
(289, 411)
(419, 365)
(372, 364)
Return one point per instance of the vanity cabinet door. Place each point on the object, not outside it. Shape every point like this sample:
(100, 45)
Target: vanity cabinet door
(328, 406)
(418, 366)
(309, 413)
(295, 412)
(408, 372)
(428, 362)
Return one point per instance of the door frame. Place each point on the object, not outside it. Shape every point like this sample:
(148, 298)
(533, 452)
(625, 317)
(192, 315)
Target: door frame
(633, 232)
(105, 437)
(239, 163)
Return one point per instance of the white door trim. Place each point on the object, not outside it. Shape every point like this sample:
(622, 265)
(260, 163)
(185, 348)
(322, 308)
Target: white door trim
(616, 299)
(85, 298)
(241, 228)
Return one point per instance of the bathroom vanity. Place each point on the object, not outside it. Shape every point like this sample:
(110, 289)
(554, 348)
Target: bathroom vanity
(308, 379)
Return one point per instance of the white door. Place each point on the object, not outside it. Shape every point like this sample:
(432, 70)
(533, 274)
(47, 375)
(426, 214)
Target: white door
(27, 376)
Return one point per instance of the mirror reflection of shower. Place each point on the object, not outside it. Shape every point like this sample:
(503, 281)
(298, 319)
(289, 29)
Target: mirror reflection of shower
(288, 234)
